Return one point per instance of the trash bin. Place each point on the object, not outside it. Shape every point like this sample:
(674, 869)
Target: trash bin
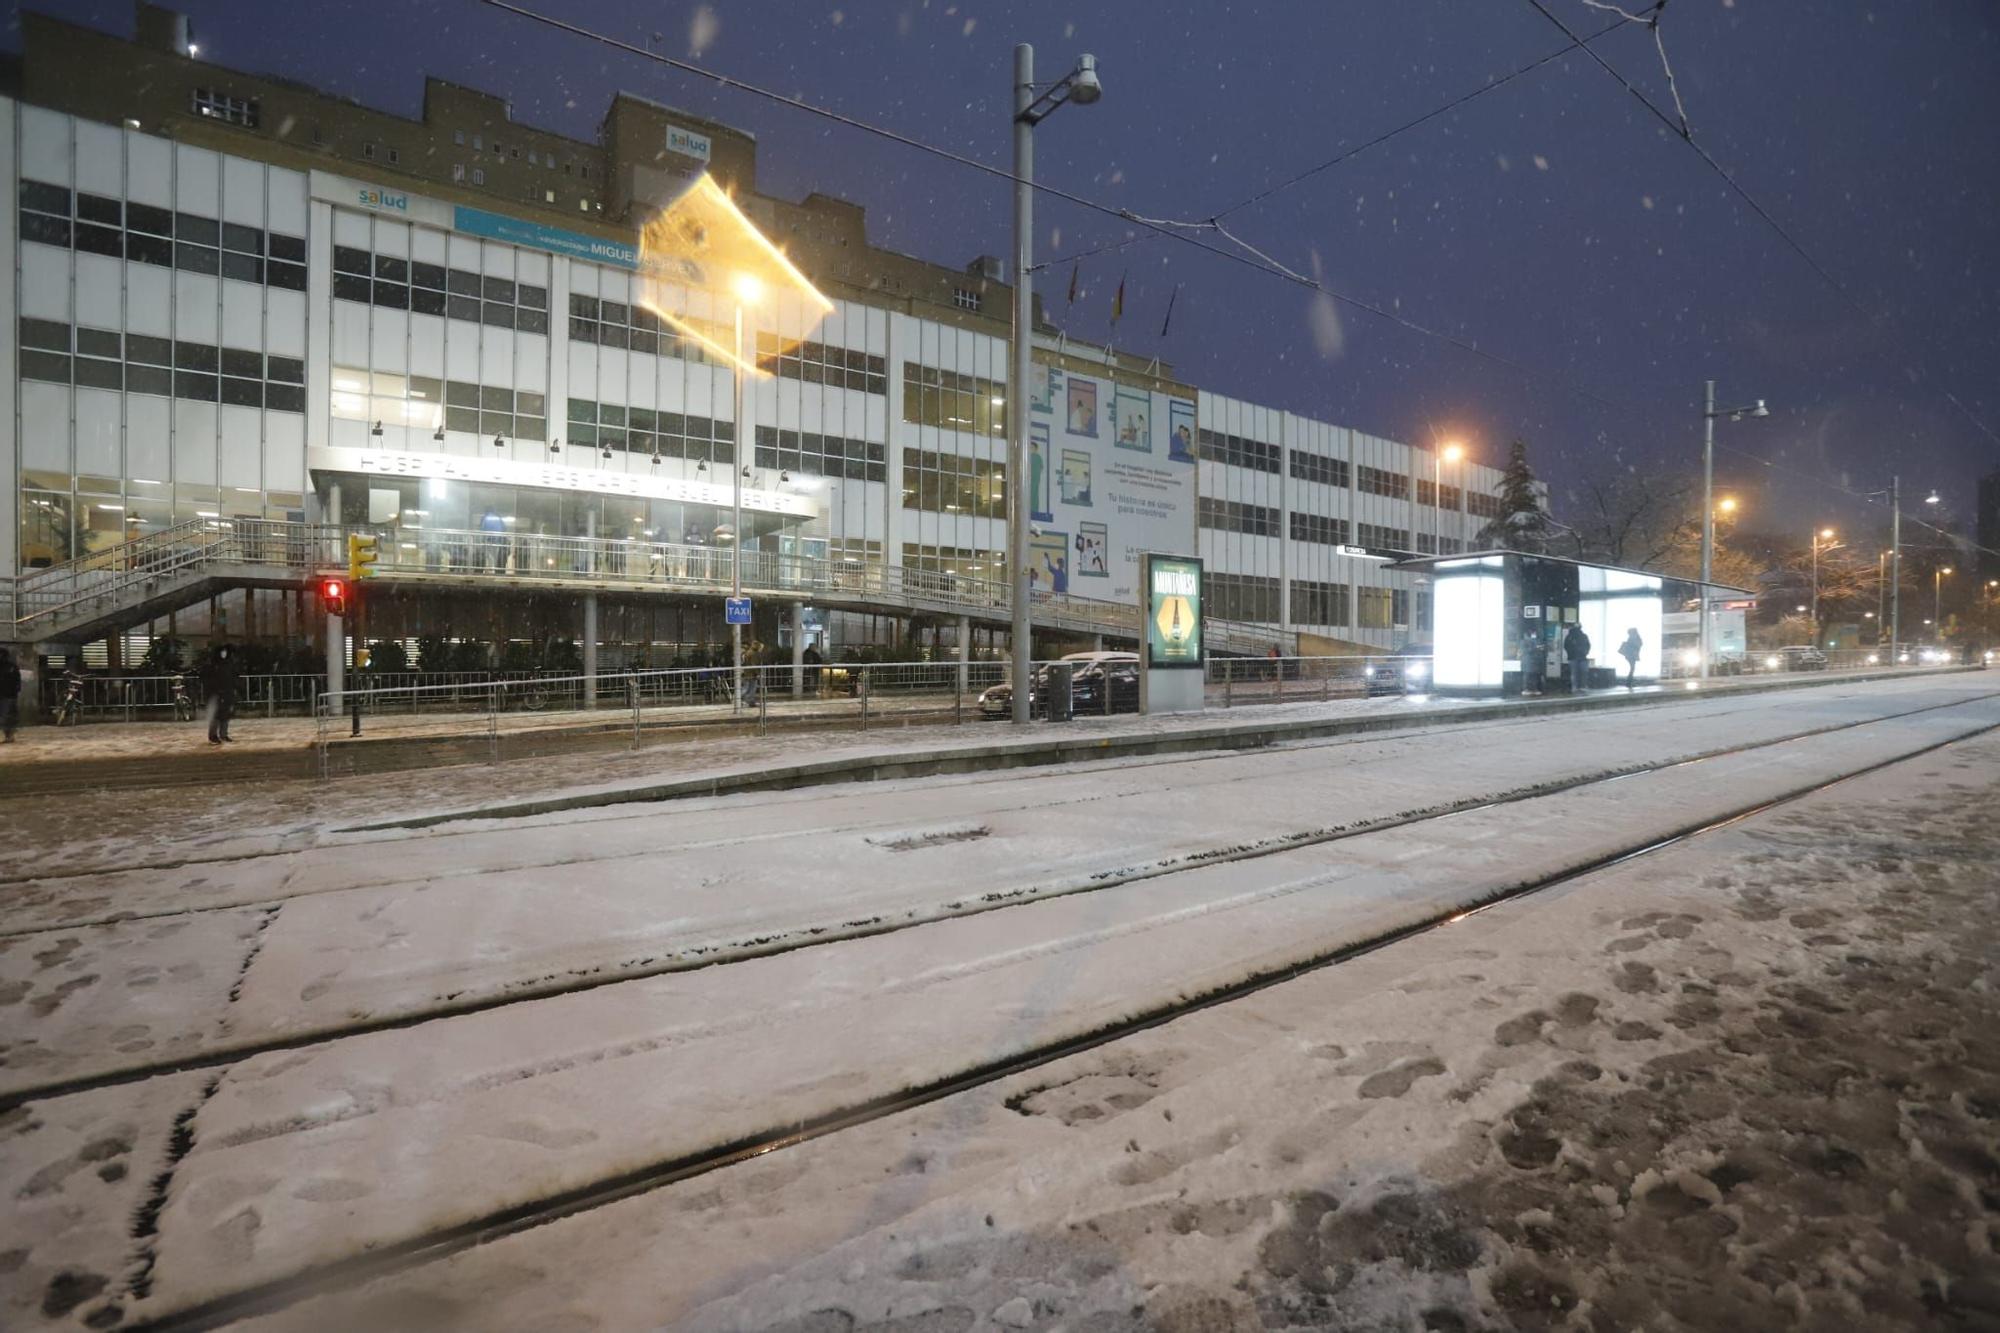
(1060, 701)
(1601, 678)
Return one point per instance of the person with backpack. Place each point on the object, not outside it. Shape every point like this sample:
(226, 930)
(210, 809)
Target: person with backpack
(1629, 650)
(1576, 647)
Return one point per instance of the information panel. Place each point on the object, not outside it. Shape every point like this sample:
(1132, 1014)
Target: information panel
(1173, 612)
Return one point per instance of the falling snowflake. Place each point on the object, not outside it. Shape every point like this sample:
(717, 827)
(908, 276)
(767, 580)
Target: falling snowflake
(703, 29)
(1541, 163)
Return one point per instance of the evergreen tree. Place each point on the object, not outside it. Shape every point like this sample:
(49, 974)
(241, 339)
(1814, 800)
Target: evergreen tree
(1523, 521)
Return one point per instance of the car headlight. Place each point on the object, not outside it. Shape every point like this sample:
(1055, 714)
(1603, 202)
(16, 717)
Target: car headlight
(1368, 673)
(1771, 663)
(1417, 670)
(1873, 659)
(1690, 657)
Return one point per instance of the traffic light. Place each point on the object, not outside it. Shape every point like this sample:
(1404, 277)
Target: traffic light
(362, 553)
(333, 596)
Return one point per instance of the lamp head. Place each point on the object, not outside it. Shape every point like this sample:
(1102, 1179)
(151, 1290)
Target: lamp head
(1932, 498)
(1453, 452)
(1760, 410)
(1728, 504)
(1826, 534)
(749, 290)
(1083, 85)
(1945, 570)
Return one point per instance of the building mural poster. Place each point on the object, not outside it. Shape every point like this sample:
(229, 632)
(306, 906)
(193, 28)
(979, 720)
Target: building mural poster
(1116, 494)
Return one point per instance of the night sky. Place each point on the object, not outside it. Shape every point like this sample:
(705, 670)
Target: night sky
(1554, 221)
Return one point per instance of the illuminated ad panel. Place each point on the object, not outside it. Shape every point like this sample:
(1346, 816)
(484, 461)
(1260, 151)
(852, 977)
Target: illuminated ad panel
(700, 259)
(1613, 602)
(1173, 612)
(1466, 630)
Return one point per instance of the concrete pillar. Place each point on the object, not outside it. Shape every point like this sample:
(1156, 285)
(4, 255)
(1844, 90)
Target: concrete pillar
(1097, 643)
(964, 654)
(590, 613)
(798, 650)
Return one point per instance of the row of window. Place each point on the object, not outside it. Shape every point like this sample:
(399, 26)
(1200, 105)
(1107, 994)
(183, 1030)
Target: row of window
(1428, 544)
(820, 455)
(1378, 538)
(1429, 494)
(99, 225)
(957, 560)
(1249, 597)
(1481, 505)
(642, 430)
(534, 159)
(1233, 516)
(1255, 598)
(619, 324)
(1240, 451)
(950, 484)
(136, 363)
(432, 289)
(1315, 603)
(1381, 608)
(822, 363)
(1381, 481)
(953, 401)
(420, 401)
(1319, 528)
(1320, 468)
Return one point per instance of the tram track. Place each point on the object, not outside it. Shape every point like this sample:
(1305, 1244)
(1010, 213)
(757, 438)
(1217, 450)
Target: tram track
(819, 934)
(278, 1293)
(752, 802)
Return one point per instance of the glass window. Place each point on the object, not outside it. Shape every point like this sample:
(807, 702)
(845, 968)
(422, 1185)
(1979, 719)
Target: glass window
(496, 315)
(427, 275)
(291, 277)
(392, 294)
(388, 268)
(534, 297)
(463, 307)
(99, 342)
(45, 198)
(291, 249)
(426, 302)
(47, 230)
(462, 283)
(285, 397)
(194, 356)
(236, 236)
(244, 268)
(498, 289)
(248, 365)
(201, 388)
(243, 393)
(152, 351)
(50, 366)
(532, 321)
(289, 369)
(196, 258)
(45, 334)
(351, 287)
(458, 393)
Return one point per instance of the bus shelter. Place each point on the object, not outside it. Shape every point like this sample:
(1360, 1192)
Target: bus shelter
(1498, 619)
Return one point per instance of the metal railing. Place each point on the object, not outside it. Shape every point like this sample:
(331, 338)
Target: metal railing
(40, 602)
(1234, 681)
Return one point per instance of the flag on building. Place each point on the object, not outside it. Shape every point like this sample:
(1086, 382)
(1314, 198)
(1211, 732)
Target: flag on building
(1174, 296)
(1118, 301)
(1072, 284)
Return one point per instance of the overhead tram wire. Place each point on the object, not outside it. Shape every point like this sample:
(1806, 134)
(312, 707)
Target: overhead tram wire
(1056, 192)
(1685, 134)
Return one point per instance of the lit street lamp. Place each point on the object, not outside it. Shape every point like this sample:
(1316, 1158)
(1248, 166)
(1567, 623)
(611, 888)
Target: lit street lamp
(1708, 416)
(1031, 108)
(1450, 453)
(1937, 597)
(1823, 535)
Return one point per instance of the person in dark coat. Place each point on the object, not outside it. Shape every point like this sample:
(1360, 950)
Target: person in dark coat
(1629, 650)
(10, 695)
(221, 678)
(1576, 647)
(813, 661)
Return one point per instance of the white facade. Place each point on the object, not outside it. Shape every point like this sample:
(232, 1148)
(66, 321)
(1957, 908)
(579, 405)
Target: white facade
(202, 336)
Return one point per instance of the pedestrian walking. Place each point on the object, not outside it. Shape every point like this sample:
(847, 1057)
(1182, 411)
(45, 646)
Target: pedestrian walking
(221, 678)
(10, 695)
(1576, 647)
(495, 540)
(1629, 650)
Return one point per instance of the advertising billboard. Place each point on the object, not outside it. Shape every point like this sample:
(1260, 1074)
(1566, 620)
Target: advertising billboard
(1111, 475)
(1173, 612)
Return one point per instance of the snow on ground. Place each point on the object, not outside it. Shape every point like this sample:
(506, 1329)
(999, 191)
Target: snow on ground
(362, 931)
(1748, 1082)
(305, 1156)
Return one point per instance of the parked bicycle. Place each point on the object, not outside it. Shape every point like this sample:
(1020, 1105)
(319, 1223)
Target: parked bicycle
(69, 709)
(183, 701)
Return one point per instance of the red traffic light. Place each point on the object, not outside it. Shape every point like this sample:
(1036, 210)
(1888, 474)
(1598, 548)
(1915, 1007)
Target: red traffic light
(333, 596)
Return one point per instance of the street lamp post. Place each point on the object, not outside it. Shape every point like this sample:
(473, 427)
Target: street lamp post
(1450, 453)
(1708, 416)
(1031, 108)
(1826, 535)
(1937, 599)
(748, 290)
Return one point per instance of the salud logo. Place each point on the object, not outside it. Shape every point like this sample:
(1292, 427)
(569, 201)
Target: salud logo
(378, 198)
(687, 143)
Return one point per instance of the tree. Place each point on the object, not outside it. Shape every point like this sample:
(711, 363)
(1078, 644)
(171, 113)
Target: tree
(1523, 521)
(1640, 521)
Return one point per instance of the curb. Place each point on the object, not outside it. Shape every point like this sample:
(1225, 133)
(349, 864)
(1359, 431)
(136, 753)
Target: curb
(1042, 752)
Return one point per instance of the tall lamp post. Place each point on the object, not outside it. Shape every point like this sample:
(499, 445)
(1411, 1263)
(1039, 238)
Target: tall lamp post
(1032, 105)
(1822, 535)
(1451, 453)
(1937, 600)
(748, 291)
(1709, 413)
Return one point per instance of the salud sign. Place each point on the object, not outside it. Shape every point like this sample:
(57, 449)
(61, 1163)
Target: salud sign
(1173, 612)
(736, 610)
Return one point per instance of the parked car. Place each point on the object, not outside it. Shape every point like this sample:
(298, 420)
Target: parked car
(1405, 671)
(1093, 677)
(1800, 657)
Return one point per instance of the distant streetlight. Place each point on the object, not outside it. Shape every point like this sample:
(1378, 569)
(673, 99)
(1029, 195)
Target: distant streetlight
(1708, 416)
(1033, 104)
(1727, 504)
(1937, 594)
(1932, 498)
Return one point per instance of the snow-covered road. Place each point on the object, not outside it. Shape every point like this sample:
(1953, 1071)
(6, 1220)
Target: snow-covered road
(302, 1157)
